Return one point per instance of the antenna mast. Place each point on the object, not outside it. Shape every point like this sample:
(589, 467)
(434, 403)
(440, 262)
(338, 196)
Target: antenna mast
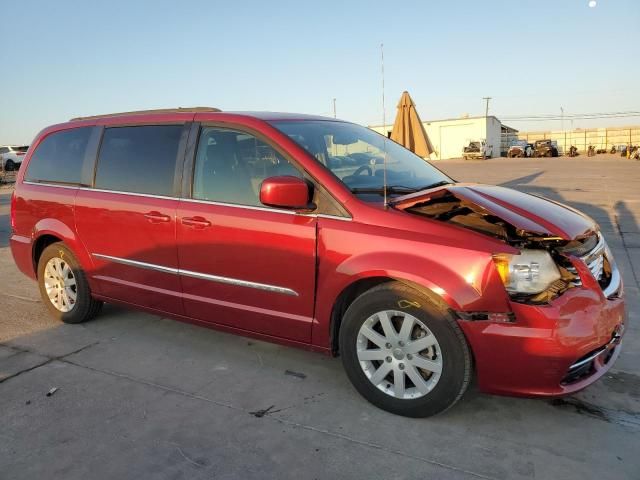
(384, 128)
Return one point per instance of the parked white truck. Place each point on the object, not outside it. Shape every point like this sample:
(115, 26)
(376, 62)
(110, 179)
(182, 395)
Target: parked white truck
(477, 149)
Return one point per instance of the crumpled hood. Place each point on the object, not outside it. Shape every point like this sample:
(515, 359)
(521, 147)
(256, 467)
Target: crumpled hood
(523, 211)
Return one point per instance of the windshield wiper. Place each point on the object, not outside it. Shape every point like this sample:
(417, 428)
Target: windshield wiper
(380, 190)
(399, 188)
(434, 185)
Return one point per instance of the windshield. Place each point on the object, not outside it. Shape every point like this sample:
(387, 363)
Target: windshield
(356, 155)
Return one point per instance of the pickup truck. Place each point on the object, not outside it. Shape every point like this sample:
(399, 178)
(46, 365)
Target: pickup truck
(520, 149)
(477, 149)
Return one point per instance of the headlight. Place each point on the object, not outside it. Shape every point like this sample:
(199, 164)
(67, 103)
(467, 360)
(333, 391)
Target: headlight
(530, 272)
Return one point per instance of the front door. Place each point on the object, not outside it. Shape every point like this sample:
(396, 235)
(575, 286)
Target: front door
(243, 264)
(127, 222)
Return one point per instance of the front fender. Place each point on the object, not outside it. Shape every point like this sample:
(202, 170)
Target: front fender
(466, 280)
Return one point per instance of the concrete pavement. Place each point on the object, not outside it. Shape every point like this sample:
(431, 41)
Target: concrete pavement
(140, 396)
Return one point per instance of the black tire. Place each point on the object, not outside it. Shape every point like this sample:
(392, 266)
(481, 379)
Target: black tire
(85, 307)
(9, 166)
(456, 355)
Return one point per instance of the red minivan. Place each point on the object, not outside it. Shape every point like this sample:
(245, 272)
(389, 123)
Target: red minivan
(322, 234)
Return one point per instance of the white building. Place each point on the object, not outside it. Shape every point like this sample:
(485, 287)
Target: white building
(450, 136)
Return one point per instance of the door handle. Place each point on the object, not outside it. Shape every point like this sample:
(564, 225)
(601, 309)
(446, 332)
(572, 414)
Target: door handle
(196, 222)
(157, 217)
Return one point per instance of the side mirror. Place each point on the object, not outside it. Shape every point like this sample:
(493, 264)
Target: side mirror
(286, 192)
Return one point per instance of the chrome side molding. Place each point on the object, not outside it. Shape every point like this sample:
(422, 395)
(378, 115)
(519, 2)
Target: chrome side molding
(202, 276)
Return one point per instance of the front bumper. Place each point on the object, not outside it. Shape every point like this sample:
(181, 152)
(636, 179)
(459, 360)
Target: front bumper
(543, 351)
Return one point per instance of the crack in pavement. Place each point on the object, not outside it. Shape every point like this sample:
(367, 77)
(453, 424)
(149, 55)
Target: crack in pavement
(283, 421)
(48, 360)
(19, 297)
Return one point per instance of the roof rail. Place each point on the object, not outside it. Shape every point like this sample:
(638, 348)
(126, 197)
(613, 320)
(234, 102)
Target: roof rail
(144, 112)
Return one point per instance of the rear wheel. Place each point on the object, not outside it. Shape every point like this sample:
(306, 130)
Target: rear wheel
(9, 166)
(404, 353)
(63, 286)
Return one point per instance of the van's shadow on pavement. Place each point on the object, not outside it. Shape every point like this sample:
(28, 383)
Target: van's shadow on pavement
(4, 231)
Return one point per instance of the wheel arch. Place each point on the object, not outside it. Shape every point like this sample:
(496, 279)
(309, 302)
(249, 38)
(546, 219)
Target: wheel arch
(352, 291)
(48, 231)
(42, 242)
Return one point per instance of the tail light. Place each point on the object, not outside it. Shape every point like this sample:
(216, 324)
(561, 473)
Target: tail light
(19, 154)
(13, 211)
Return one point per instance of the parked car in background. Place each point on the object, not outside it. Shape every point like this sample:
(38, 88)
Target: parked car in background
(545, 148)
(520, 149)
(476, 150)
(244, 222)
(11, 157)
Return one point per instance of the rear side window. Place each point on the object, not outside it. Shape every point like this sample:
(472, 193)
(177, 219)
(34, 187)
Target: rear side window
(139, 159)
(59, 157)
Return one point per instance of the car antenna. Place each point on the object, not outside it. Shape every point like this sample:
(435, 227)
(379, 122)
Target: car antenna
(384, 132)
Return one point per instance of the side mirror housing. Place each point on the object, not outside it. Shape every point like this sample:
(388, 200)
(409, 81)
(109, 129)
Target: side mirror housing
(286, 192)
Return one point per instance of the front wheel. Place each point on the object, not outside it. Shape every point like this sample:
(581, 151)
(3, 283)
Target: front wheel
(404, 353)
(63, 286)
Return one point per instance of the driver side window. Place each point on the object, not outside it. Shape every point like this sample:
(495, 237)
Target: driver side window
(230, 166)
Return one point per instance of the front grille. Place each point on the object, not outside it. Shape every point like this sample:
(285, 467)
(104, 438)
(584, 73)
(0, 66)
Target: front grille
(595, 259)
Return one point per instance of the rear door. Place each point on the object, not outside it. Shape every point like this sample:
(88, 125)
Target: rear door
(243, 264)
(127, 220)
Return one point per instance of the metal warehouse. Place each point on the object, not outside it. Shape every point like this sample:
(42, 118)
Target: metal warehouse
(450, 136)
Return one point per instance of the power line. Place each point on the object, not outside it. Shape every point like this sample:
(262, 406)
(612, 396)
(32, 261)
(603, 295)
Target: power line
(577, 116)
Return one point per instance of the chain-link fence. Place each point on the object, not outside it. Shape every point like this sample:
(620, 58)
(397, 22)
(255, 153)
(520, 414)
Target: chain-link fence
(600, 138)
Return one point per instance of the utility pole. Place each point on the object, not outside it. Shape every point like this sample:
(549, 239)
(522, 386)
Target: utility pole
(486, 110)
(562, 118)
(334, 108)
(486, 126)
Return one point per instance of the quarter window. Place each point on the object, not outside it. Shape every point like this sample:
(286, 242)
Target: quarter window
(59, 157)
(230, 166)
(139, 159)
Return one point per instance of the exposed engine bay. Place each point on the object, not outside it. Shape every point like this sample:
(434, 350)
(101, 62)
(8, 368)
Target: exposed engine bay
(446, 206)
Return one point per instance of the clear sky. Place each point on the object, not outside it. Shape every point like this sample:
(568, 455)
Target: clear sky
(67, 58)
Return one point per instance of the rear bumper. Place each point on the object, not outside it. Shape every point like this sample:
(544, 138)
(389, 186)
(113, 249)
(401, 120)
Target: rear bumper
(549, 350)
(22, 250)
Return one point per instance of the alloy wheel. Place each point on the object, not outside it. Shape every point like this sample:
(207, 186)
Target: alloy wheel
(60, 284)
(399, 354)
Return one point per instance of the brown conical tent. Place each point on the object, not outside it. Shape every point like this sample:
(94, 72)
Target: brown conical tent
(408, 129)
